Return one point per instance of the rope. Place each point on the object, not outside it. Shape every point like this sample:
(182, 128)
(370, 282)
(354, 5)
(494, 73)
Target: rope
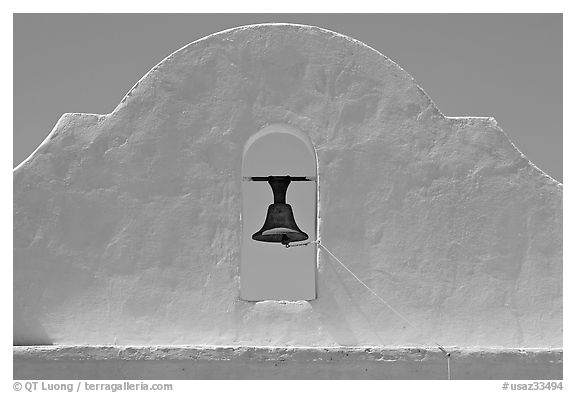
(444, 351)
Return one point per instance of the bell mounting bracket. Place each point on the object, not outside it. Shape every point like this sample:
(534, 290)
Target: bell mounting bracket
(291, 178)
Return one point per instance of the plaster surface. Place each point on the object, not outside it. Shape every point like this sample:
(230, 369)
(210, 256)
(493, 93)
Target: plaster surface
(187, 362)
(127, 227)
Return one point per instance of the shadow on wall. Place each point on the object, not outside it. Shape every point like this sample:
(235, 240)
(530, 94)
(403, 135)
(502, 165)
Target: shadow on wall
(32, 328)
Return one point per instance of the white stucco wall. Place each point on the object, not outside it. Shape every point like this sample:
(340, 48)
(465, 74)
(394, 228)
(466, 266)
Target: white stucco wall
(127, 226)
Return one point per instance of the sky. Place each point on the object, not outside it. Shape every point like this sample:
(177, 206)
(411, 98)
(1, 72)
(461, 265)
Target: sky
(508, 66)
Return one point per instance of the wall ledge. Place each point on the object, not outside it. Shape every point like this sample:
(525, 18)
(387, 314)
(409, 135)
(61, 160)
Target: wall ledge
(248, 362)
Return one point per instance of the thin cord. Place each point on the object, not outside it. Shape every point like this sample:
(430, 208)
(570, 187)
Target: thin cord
(367, 287)
(446, 353)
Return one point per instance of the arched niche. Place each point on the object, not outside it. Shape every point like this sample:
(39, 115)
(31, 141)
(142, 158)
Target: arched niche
(270, 271)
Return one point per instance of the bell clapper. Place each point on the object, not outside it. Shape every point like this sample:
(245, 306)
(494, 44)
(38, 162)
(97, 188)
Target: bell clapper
(301, 244)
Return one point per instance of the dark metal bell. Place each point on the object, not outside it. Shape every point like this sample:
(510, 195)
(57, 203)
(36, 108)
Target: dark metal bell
(280, 226)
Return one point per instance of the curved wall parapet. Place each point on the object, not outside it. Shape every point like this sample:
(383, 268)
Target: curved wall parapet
(127, 226)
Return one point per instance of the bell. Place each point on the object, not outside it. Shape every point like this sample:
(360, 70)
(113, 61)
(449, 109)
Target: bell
(280, 226)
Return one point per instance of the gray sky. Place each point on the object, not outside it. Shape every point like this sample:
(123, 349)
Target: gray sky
(503, 65)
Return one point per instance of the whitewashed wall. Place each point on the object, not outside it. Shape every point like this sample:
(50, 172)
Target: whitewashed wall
(127, 226)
